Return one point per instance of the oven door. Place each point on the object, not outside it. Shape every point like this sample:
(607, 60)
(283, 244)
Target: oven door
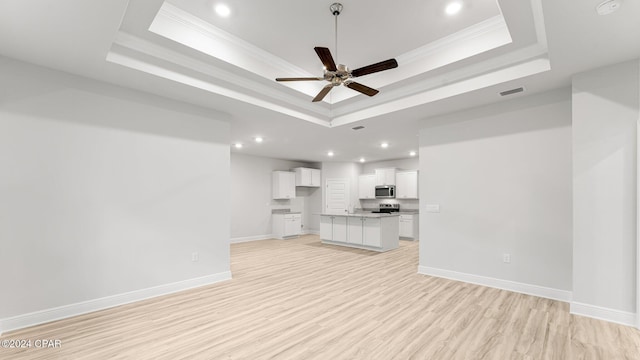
(385, 192)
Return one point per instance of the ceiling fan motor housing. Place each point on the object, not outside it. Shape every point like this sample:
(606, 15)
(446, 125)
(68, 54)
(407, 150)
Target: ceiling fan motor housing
(336, 8)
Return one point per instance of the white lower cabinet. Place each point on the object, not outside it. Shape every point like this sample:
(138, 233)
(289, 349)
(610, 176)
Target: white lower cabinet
(286, 225)
(333, 228)
(354, 225)
(366, 232)
(409, 226)
(371, 232)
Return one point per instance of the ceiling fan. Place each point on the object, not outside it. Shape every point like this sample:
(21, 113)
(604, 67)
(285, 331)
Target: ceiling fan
(341, 75)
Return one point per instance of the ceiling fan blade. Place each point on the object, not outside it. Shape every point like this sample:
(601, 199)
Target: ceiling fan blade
(325, 56)
(325, 90)
(300, 79)
(373, 68)
(362, 88)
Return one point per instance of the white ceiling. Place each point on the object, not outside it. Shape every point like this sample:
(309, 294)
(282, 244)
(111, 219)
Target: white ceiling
(182, 50)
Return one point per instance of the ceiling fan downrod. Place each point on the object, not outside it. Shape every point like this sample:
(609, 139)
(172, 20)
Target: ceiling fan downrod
(336, 9)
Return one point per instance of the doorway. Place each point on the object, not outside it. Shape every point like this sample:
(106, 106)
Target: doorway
(337, 196)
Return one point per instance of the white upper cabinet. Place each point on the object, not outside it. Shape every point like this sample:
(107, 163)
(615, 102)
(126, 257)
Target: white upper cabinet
(366, 187)
(284, 185)
(407, 185)
(385, 176)
(307, 177)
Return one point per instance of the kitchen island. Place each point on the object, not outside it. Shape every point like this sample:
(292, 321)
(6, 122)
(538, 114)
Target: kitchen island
(377, 232)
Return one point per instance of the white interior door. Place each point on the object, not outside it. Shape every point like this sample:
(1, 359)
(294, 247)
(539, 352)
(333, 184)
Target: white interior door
(337, 196)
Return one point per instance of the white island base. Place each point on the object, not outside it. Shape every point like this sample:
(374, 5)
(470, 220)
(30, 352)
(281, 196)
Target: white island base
(377, 232)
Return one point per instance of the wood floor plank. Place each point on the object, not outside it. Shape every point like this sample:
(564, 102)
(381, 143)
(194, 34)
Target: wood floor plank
(301, 299)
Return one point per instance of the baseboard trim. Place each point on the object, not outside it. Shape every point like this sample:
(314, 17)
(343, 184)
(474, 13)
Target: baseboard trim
(535, 290)
(66, 311)
(311, 232)
(602, 313)
(251, 238)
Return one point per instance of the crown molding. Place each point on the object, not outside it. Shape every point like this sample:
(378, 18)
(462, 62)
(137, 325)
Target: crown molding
(494, 26)
(171, 14)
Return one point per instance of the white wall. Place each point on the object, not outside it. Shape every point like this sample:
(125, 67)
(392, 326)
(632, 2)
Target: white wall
(251, 197)
(104, 191)
(502, 177)
(605, 116)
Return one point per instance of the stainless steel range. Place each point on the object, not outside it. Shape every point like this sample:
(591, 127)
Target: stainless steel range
(387, 208)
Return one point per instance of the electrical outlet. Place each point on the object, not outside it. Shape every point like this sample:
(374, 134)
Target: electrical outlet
(506, 258)
(194, 256)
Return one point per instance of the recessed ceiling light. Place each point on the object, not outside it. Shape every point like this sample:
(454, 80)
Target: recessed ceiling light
(223, 10)
(238, 145)
(384, 145)
(361, 159)
(258, 139)
(453, 8)
(330, 153)
(412, 153)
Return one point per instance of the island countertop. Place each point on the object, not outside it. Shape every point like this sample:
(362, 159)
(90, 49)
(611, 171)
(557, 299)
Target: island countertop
(363, 214)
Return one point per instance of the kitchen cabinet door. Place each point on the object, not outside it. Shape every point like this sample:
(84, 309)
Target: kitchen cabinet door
(385, 176)
(316, 177)
(307, 177)
(371, 232)
(340, 228)
(355, 230)
(409, 226)
(366, 187)
(406, 226)
(283, 185)
(292, 223)
(407, 185)
(326, 227)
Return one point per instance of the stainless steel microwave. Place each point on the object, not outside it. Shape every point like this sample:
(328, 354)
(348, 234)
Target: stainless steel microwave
(385, 192)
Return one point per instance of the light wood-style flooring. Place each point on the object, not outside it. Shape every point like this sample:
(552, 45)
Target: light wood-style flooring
(299, 299)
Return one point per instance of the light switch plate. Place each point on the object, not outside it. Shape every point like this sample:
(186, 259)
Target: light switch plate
(433, 208)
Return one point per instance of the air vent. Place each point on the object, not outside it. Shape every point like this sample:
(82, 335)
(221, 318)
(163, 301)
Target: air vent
(512, 91)
(358, 128)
